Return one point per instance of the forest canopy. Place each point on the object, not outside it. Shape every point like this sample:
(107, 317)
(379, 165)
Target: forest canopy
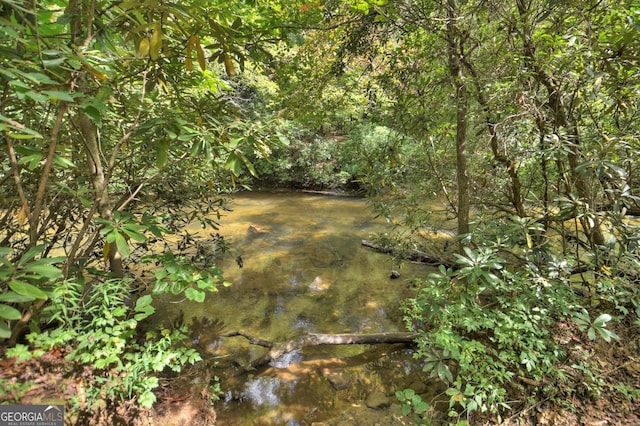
(520, 117)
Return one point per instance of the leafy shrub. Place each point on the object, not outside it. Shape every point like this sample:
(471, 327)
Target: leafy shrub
(25, 281)
(308, 161)
(98, 325)
(488, 331)
(363, 158)
(99, 331)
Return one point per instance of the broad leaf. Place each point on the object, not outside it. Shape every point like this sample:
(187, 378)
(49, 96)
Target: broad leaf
(45, 271)
(12, 297)
(27, 289)
(9, 313)
(195, 295)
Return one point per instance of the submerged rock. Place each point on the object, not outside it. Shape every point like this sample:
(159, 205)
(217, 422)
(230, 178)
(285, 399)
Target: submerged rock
(319, 284)
(257, 229)
(377, 400)
(339, 380)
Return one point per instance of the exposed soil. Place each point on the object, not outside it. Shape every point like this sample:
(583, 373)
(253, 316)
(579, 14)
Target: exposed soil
(615, 364)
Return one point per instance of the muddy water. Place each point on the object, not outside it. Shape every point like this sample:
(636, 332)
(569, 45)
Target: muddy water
(304, 271)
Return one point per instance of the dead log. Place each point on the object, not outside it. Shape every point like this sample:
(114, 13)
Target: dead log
(413, 255)
(332, 193)
(276, 350)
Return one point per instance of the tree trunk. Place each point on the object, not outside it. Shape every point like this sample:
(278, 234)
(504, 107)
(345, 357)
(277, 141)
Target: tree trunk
(560, 116)
(83, 14)
(89, 134)
(455, 42)
(503, 158)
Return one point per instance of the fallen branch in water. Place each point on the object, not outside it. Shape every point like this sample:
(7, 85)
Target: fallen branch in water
(414, 255)
(276, 350)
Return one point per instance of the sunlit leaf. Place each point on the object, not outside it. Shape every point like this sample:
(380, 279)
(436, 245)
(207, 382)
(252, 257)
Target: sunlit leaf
(194, 294)
(200, 54)
(233, 164)
(132, 232)
(22, 215)
(162, 153)
(46, 271)
(122, 245)
(143, 302)
(59, 95)
(38, 77)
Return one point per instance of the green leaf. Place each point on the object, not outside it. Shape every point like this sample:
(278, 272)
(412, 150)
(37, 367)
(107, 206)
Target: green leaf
(421, 407)
(27, 289)
(9, 313)
(45, 271)
(602, 320)
(30, 254)
(21, 352)
(147, 399)
(134, 235)
(5, 332)
(53, 63)
(248, 164)
(12, 297)
(233, 164)
(195, 295)
(122, 245)
(38, 97)
(32, 160)
(143, 307)
(60, 95)
(37, 77)
(94, 114)
(29, 134)
(63, 163)
(143, 302)
(162, 153)
(608, 335)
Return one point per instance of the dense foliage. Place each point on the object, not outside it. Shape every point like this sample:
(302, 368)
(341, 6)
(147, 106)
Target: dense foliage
(520, 116)
(102, 111)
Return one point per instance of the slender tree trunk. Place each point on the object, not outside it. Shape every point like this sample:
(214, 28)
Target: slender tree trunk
(89, 134)
(82, 18)
(560, 117)
(494, 139)
(455, 42)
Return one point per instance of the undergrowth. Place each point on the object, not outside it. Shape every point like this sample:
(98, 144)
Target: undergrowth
(499, 332)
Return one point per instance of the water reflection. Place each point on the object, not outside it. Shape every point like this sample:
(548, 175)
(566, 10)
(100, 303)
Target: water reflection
(287, 359)
(262, 391)
(304, 270)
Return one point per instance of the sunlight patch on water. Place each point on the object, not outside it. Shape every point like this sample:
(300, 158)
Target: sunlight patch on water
(263, 391)
(287, 359)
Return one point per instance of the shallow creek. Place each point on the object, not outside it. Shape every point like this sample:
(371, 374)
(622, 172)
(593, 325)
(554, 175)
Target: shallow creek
(304, 271)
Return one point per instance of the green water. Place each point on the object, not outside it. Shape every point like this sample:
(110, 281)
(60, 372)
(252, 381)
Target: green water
(305, 270)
